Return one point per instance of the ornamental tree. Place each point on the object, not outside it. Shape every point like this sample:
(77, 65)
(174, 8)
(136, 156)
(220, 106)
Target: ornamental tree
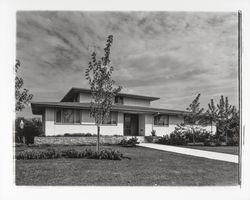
(224, 115)
(194, 116)
(22, 95)
(211, 113)
(103, 88)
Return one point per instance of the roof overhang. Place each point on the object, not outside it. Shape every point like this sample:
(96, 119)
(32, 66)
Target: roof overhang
(73, 91)
(38, 108)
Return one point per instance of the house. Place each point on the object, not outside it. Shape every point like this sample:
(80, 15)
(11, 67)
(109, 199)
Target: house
(131, 115)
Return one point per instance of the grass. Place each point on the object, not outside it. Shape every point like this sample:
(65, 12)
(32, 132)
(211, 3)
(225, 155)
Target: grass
(221, 149)
(147, 167)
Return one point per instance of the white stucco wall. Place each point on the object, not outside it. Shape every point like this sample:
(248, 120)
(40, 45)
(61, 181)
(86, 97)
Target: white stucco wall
(135, 102)
(51, 128)
(162, 130)
(141, 125)
(85, 98)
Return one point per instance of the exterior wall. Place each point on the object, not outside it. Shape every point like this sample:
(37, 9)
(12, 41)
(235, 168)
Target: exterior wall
(52, 129)
(136, 102)
(166, 130)
(49, 121)
(85, 98)
(162, 130)
(141, 124)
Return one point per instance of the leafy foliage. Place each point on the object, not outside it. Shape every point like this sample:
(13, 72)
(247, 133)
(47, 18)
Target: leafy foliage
(183, 134)
(32, 128)
(153, 132)
(22, 95)
(107, 154)
(102, 86)
(194, 117)
(228, 120)
(38, 154)
(130, 142)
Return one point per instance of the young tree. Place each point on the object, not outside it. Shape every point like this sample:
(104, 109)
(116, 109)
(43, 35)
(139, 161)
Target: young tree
(224, 115)
(102, 87)
(22, 95)
(194, 116)
(211, 113)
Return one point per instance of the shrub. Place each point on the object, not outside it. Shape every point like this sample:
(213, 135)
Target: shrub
(77, 135)
(153, 132)
(108, 154)
(130, 142)
(32, 127)
(38, 154)
(163, 140)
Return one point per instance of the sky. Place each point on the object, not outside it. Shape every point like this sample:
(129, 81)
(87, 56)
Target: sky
(171, 55)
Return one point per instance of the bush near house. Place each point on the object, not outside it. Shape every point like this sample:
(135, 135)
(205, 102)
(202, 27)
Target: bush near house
(130, 142)
(184, 134)
(51, 153)
(32, 128)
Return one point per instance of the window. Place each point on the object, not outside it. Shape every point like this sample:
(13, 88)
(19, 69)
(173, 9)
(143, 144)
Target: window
(58, 116)
(86, 118)
(67, 116)
(77, 117)
(111, 119)
(161, 120)
(119, 100)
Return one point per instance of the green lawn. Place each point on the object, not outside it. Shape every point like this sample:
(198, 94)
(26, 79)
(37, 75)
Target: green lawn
(146, 167)
(221, 149)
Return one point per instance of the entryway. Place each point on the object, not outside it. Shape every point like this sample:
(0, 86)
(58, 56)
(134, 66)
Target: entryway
(131, 125)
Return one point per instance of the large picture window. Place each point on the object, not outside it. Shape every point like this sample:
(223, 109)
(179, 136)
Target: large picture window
(67, 116)
(111, 119)
(161, 120)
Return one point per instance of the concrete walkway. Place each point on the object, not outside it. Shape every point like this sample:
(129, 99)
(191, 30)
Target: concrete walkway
(193, 152)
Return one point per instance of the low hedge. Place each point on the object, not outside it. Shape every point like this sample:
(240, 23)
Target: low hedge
(130, 142)
(108, 154)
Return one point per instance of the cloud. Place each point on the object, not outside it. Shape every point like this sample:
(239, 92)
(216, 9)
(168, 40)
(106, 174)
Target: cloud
(172, 55)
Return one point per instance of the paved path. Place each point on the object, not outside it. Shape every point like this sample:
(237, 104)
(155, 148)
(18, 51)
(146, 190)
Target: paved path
(193, 152)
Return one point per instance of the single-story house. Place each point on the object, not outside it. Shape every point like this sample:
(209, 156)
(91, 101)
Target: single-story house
(131, 115)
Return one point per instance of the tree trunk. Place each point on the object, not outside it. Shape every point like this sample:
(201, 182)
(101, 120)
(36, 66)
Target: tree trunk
(98, 139)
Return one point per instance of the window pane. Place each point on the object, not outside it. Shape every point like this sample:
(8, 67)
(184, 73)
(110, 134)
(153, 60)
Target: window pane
(111, 119)
(119, 100)
(58, 116)
(77, 116)
(86, 117)
(68, 116)
(161, 120)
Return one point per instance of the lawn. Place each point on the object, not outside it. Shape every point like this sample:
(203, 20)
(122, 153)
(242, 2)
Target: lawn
(147, 167)
(221, 149)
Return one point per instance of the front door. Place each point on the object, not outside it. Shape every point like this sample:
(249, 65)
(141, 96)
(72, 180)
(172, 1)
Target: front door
(131, 125)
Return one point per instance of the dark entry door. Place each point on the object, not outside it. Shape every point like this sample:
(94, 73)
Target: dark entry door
(131, 125)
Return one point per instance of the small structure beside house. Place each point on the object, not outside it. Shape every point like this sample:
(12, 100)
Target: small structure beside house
(131, 115)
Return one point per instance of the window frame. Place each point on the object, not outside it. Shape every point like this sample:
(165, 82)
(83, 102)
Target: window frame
(110, 118)
(61, 116)
(161, 125)
(119, 100)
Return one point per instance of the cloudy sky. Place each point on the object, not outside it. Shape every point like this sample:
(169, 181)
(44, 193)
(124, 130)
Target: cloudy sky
(171, 55)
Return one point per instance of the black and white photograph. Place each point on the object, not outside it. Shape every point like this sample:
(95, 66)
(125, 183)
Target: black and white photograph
(127, 98)
(115, 99)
